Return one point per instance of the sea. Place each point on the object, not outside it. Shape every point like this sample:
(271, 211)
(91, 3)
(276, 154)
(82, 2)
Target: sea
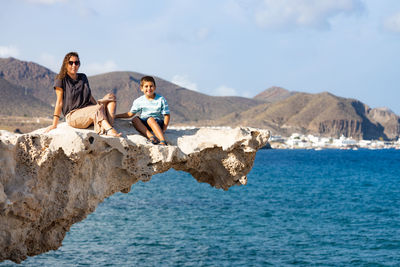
(299, 208)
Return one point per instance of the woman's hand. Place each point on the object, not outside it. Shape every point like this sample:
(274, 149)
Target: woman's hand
(51, 127)
(57, 109)
(107, 98)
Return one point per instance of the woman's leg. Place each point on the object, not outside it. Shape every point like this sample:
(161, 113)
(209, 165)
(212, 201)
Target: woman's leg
(110, 111)
(106, 114)
(101, 124)
(81, 118)
(109, 130)
(110, 103)
(84, 117)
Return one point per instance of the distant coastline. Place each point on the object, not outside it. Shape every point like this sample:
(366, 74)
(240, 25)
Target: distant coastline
(301, 141)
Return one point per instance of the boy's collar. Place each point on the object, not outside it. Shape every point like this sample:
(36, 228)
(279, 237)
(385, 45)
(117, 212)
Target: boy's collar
(155, 94)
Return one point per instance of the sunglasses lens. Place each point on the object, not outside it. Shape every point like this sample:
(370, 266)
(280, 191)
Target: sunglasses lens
(74, 62)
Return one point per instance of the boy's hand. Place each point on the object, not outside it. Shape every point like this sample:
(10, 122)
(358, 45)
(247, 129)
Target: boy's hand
(125, 115)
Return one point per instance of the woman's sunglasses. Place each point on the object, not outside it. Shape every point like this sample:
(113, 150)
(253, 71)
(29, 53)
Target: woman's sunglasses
(77, 63)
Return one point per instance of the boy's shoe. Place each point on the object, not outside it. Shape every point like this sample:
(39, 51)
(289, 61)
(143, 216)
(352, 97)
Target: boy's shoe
(154, 140)
(163, 143)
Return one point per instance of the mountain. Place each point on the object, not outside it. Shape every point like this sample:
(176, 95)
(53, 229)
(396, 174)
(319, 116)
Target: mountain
(322, 114)
(186, 106)
(26, 90)
(274, 94)
(388, 119)
(35, 79)
(17, 101)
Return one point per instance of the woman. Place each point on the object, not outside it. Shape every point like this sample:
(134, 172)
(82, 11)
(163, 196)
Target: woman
(76, 102)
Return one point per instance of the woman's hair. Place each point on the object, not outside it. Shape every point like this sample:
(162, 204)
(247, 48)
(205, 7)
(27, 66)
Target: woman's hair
(63, 71)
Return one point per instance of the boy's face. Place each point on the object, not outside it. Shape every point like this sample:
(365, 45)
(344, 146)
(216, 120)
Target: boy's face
(148, 89)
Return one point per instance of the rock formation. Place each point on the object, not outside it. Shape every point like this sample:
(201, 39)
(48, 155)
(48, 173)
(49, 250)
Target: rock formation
(50, 181)
(388, 120)
(320, 114)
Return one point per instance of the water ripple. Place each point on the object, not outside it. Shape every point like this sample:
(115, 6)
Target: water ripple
(302, 208)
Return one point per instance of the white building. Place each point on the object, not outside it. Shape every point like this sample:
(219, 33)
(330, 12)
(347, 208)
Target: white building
(344, 142)
(277, 138)
(298, 141)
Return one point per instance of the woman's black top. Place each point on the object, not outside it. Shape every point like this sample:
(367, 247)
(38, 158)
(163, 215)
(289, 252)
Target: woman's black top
(76, 92)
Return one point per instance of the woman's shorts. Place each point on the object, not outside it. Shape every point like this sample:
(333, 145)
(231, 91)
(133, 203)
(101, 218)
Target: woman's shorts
(159, 122)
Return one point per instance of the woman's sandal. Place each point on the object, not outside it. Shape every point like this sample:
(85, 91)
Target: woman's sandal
(110, 132)
(163, 143)
(153, 140)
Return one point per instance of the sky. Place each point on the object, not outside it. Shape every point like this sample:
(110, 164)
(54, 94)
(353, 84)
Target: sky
(350, 48)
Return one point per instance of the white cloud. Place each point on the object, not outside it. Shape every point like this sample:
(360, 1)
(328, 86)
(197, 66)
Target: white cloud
(247, 94)
(224, 90)
(87, 12)
(303, 13)
(202, 33)
(184, 81)
(97, 68)
(50, 61)
(9, 51)
(392, 23)
(234, 9)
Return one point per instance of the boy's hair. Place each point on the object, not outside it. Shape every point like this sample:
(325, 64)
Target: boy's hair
(147, 79)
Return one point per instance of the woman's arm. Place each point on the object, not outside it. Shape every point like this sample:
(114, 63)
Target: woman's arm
(166, 121)
(57, 109)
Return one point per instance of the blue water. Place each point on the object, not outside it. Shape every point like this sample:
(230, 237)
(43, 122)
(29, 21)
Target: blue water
(300, 207)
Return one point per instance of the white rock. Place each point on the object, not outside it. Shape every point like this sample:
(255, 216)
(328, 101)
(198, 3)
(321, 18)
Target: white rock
(50, 181)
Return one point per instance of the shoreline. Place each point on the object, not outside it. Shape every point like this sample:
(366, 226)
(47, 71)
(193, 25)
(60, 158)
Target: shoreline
(301, 141)
(298, 141)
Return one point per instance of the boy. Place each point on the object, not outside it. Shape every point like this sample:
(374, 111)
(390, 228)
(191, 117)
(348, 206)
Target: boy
(154, 112)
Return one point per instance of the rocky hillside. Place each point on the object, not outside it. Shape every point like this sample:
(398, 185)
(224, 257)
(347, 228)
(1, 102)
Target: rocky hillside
(35, 79)
(388, 119)
(19, 101)
(274, 94)
(323, 114)
(186, 106)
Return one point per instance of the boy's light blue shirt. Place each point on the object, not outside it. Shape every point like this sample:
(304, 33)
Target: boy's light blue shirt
(156, 108)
